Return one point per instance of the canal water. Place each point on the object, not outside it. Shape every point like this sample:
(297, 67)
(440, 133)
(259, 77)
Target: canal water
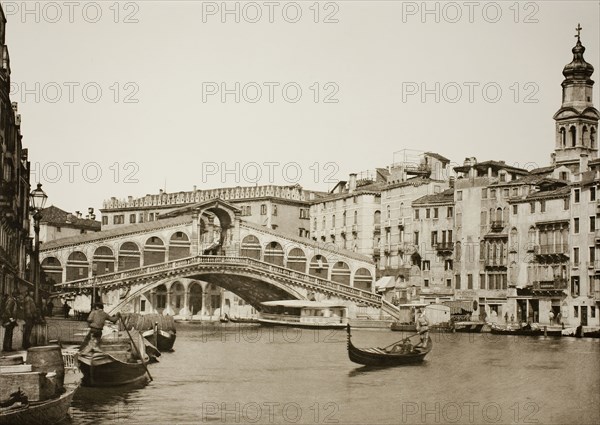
(249, 374)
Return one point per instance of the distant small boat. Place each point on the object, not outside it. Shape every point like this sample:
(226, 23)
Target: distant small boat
(403, 327)
(303, 314)
(47, 412)
(393, 355)
(243, 320)
(224, 318)
(468, 327)
(526, 330)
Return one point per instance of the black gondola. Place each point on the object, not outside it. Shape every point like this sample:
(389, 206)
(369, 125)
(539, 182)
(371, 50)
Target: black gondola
(393, 355)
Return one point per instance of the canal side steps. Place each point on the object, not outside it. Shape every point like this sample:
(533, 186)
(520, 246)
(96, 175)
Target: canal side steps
(187, 266)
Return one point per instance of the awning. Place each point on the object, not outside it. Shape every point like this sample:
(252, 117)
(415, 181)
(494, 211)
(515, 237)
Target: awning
(459, 307)
(385, 282)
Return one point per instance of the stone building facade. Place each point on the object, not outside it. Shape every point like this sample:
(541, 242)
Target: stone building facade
(15, 245)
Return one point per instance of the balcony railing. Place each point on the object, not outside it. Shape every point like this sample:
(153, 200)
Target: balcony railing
(377, 228)
(558, 283)
(497, 225)
(552, 249)
(444, 246)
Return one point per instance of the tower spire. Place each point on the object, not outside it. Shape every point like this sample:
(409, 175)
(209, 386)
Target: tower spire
(577, 119)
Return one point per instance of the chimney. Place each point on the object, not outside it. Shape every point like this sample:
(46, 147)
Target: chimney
(352, 183)
(451, 182)
(194, 188)
(311, 196)
(78, 214)
(130, 199)
(583, 162)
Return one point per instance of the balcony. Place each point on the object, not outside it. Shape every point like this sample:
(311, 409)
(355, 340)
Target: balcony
(495, 263)
(444, 247)
(343, 230)
(556, 284)
(355, 228)
(597, 236)
(497, 225)
(377, 228)
(552, 253)
(388, 223)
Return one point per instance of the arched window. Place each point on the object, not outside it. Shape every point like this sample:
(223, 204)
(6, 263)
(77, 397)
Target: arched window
(593, 138)
(333, 221)
(389, 212)
(531, 236)
(573, 133)
(584, 136)
(344, 218)
(355, 217)
(377, 217)
(563, 137)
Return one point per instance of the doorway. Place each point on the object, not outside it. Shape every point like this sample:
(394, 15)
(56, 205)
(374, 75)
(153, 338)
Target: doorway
(584, 315)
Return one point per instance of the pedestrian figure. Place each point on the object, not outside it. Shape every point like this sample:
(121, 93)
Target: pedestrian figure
(96, 320)
(66, 308)
(49, 308)
(506, 317)
(3, 301)
(551, 317)
(9, 322)
(29, 313)
(559, 318)
(422, 328)
(512, 318)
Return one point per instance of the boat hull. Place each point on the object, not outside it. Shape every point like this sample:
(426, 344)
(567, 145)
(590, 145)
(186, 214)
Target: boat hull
(102, 370)
(378, 357)
(468, 327)
(47, 412)
(164, 340)
(525, 332)
(306, 325)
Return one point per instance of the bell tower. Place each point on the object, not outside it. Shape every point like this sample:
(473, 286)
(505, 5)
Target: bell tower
(577, 119)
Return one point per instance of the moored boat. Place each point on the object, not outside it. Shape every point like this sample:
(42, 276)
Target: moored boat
(397, 354)
(468, 327)
(34, 393)
(164, 339)
(243, 320)
(47, 412)
(525, 330)
(303, 314)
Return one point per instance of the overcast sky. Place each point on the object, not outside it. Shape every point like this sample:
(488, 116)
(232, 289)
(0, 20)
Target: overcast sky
(160, 117)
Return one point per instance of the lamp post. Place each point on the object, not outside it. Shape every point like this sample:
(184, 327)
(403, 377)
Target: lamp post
(38, 199)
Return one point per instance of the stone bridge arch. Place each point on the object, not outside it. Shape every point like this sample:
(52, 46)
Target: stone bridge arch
(245, 284)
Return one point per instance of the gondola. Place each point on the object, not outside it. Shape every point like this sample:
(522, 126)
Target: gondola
(105, 370)
(164, 340)
(388, 356)
(114, 362)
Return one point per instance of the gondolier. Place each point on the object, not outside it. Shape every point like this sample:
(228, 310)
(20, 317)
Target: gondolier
(96, 320)
(422, 328)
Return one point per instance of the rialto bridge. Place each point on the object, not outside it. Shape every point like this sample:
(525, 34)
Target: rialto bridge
(176, 265)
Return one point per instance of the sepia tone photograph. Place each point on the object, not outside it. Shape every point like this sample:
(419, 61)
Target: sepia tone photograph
(299, 212)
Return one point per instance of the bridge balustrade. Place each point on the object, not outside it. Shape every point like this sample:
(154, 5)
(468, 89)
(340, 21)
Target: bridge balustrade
(322, 283)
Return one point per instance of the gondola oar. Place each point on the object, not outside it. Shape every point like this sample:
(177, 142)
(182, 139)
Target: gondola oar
(136, 348)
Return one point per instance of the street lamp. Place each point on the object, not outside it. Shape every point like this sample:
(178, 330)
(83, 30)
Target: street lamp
(37, 199)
